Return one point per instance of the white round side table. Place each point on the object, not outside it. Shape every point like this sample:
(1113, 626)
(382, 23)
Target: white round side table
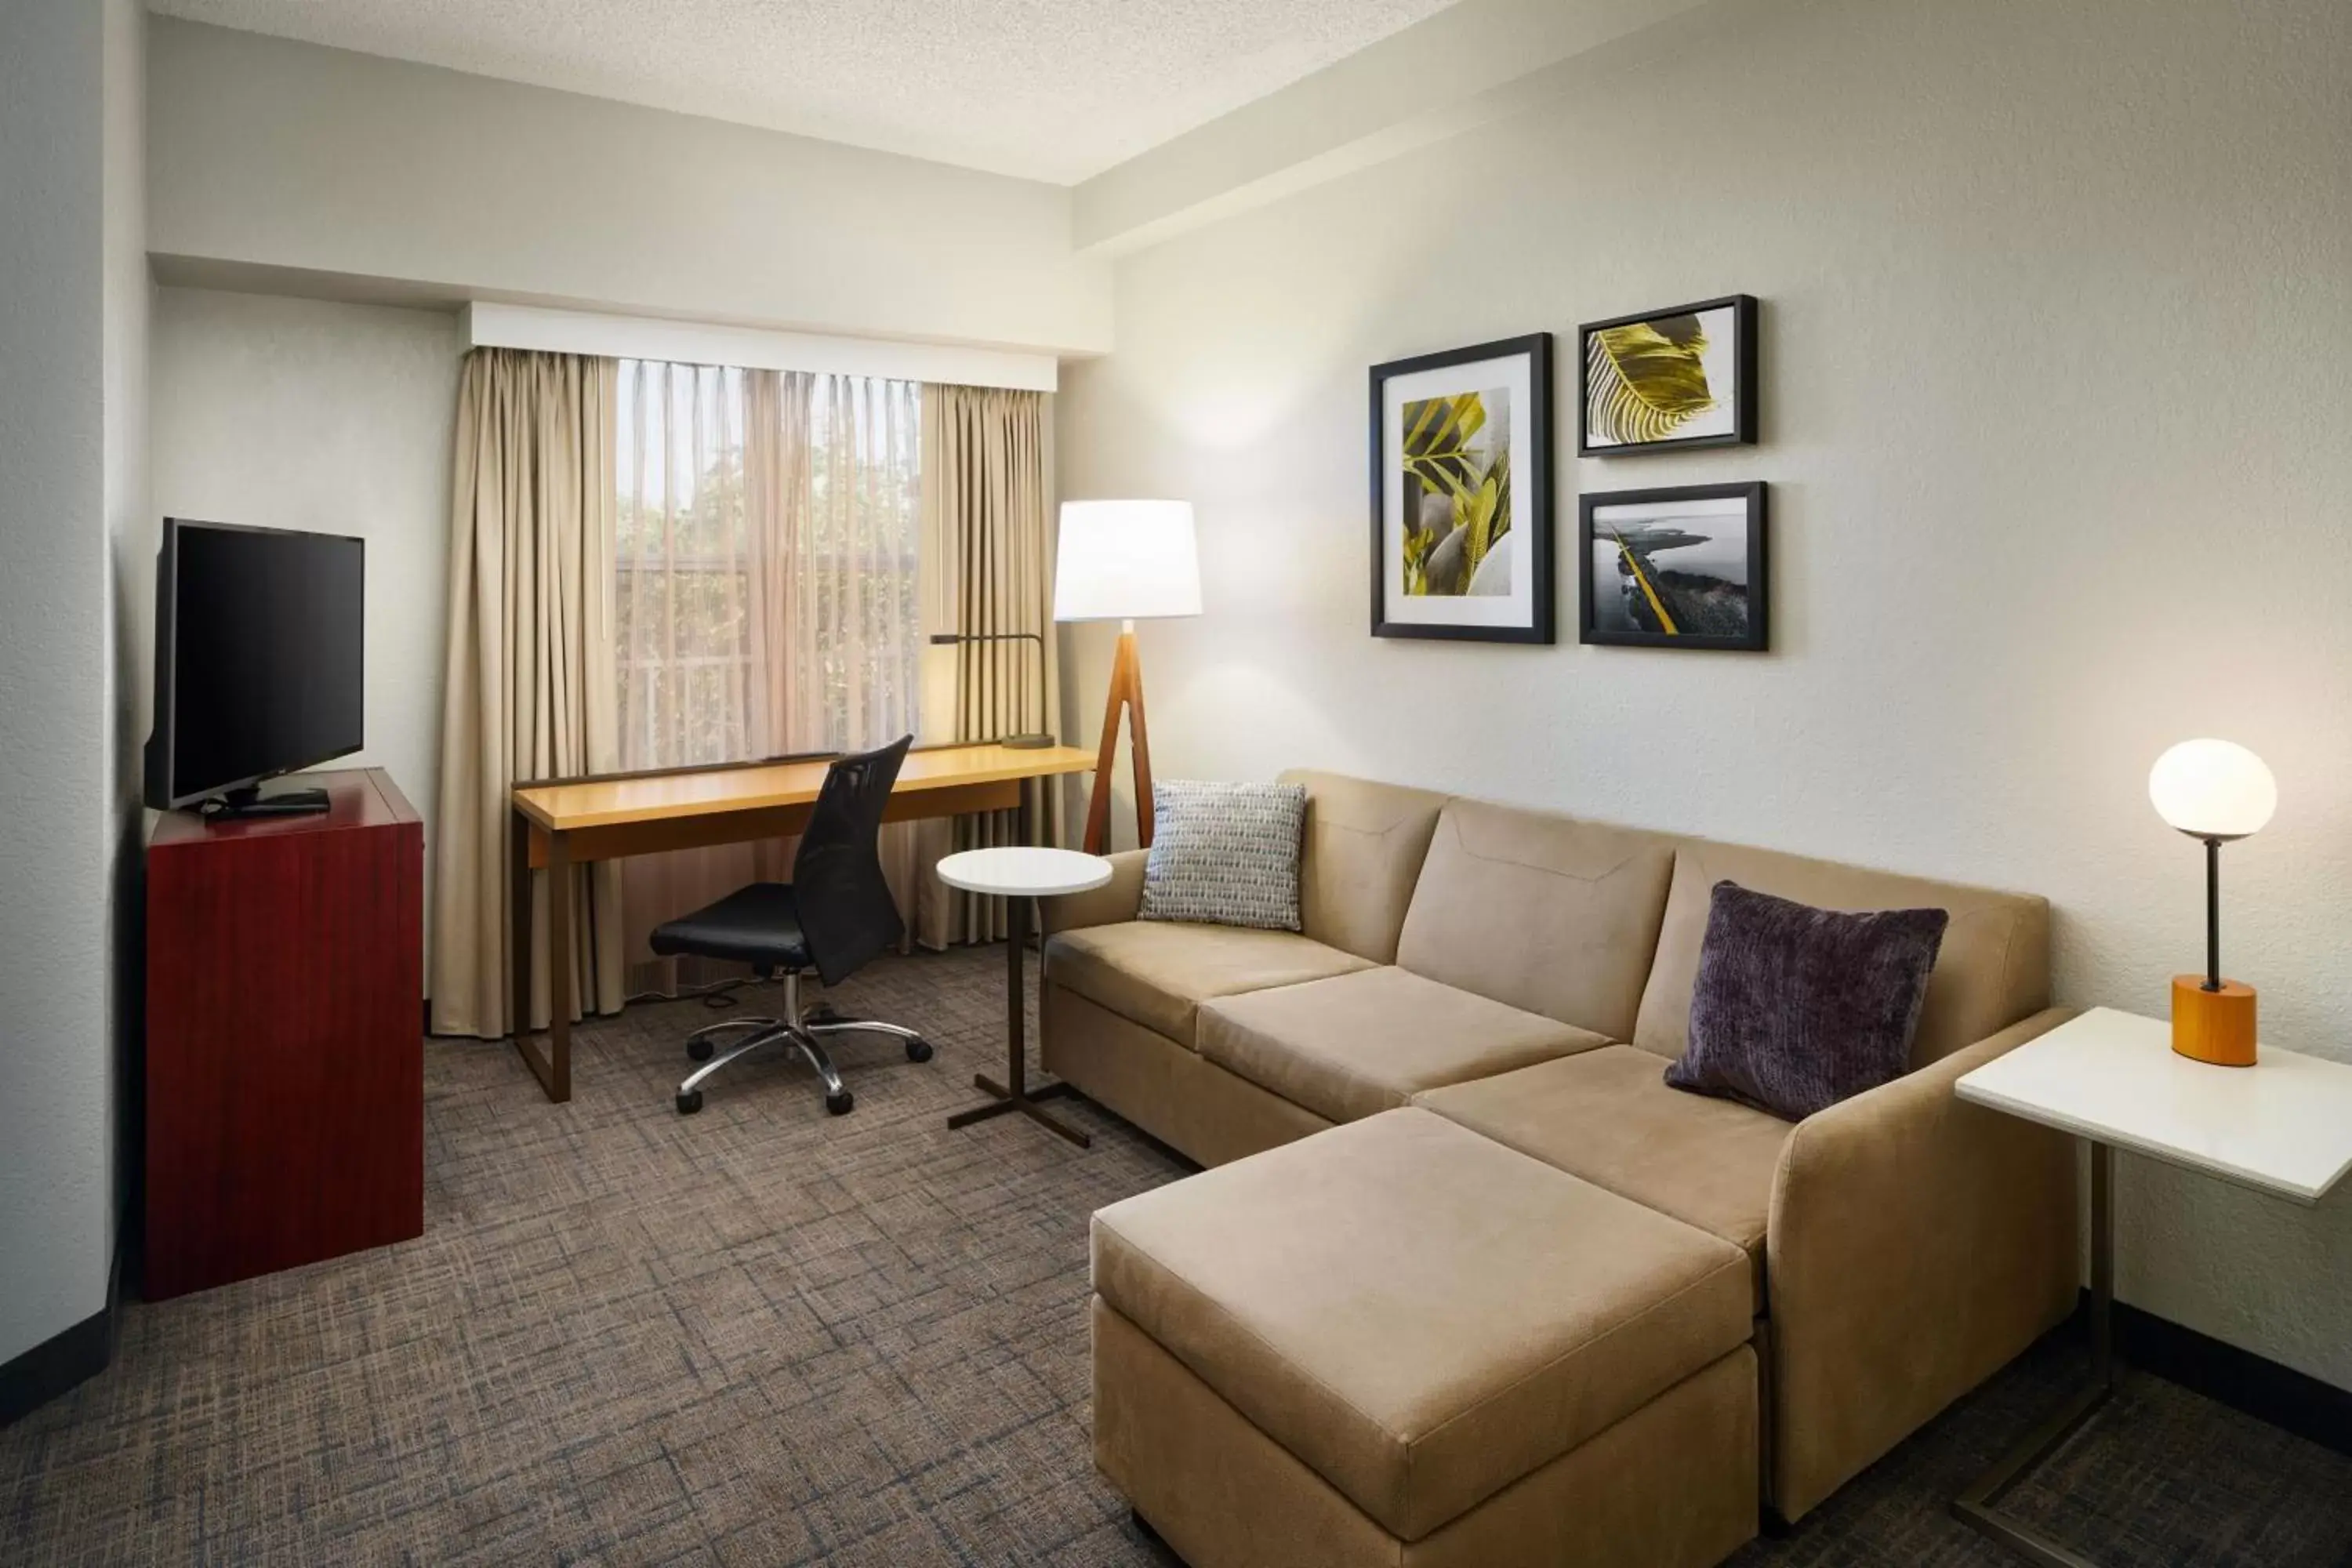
(1019, 873)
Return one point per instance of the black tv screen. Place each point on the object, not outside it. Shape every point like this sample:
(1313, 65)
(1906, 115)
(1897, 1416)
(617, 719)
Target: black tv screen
(258, 656)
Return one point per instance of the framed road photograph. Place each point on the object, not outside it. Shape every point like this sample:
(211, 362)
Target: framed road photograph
(1461, 494)
(1668, 379)
(1674, 568)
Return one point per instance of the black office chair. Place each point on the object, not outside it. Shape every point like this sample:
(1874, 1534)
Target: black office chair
(832, 917)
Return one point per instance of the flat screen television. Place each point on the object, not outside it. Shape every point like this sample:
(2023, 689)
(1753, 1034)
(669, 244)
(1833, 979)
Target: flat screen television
(259, 656)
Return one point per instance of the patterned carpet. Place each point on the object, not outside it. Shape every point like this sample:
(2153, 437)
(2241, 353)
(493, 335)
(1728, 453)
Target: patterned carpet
(764, 1335)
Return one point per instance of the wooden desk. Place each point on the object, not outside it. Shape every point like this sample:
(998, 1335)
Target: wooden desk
(561, 824)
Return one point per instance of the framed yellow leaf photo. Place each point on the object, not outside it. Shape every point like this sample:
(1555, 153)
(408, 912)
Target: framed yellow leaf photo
(1461, 494)
(1668, 379)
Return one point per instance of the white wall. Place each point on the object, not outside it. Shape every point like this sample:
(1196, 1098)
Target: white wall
(312, 414)
(131, 530)
(2058, 365)
(274, 153)
(1471, 62)
(56, 799)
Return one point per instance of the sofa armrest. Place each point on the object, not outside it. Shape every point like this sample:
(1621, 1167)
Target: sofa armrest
(1114, 902)
(1916, 1244)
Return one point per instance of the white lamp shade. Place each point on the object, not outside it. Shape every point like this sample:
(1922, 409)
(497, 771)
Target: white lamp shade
(2212, 789)
(1126, 560)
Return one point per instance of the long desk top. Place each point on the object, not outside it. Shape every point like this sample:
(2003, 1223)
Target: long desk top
(562, 807)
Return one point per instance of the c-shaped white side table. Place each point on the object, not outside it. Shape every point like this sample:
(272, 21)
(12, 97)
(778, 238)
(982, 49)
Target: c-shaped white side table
(2283, 1126)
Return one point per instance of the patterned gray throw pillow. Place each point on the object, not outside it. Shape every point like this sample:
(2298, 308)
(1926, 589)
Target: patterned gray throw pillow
(1225, 854)
(1796, 1008)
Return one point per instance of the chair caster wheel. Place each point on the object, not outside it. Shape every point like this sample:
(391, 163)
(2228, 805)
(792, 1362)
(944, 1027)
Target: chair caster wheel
(823, 1012)
(689, 1103)
(918, 1050)
(839, 1104)
(698, 1050)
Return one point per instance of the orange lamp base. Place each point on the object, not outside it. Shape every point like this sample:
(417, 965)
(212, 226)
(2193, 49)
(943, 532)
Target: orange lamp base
(2215, 1026)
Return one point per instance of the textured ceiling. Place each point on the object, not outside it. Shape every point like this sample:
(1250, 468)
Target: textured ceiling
(1053, 90)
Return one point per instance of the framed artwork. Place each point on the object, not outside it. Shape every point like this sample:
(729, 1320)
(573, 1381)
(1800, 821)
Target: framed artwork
(1462, 515)
(1674, 568)
(1665, 380)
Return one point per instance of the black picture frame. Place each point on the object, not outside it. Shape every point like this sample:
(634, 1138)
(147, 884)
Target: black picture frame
(1535, 483)
(1756, 636)
(1744, 388)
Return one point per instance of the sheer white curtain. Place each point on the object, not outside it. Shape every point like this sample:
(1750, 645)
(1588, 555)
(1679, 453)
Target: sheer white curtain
(852, 513)
(769, 537)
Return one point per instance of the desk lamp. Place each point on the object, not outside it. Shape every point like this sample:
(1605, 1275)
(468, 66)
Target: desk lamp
(2215, 791)
(1030, 740)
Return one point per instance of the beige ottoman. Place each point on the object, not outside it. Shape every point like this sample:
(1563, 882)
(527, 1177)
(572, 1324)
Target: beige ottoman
(1399, 1342)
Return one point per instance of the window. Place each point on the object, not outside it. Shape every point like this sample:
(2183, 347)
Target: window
(767, 550)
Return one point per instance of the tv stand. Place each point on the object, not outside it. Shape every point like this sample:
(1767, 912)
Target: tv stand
(247, 800)
(285, 1069)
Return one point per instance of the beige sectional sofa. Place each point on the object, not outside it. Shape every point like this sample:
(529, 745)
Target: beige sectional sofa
(1492, 1292)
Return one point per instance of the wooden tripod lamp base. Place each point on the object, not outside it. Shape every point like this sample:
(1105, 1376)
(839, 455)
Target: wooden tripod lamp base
(2215, 1026)
(1125, 692)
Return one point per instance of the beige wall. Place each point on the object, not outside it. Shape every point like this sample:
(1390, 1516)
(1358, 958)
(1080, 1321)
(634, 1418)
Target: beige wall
(269, 154)
(2058, 367)
(335, 418)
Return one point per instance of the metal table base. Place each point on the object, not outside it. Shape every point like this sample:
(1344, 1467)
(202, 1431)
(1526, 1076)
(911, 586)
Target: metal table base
(1015, 1093)
(1979, 1505)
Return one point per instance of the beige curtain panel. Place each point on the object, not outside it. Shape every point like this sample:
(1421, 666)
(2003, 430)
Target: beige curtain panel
(530, 689)
(984, 513)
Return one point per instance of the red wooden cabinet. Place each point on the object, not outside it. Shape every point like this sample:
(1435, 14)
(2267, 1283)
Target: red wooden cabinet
(285, 1049)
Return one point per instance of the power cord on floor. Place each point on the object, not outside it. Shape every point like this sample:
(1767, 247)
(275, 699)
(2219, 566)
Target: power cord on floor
(716, 994)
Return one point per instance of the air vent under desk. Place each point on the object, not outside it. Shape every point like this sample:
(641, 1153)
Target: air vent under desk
(284, 1057)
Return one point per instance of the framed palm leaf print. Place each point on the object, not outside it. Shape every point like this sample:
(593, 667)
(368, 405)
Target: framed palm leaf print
(1462, 514)
(1668, 379)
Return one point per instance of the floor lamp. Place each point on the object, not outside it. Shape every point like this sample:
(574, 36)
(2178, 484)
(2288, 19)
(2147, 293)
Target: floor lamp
(1125, 561)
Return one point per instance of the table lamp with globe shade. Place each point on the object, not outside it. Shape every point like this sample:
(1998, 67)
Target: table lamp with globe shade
(2214, 791)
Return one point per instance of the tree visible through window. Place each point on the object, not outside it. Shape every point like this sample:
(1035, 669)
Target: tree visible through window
(767, 537)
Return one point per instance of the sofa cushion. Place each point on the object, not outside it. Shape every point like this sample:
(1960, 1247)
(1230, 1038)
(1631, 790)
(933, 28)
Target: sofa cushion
(1548, 914)
(1419, 1314)
(1225, 854)
(1363, 850)
(1608, 1116)
(1992, 969)
(1796, 1008)
(1356, 1045)
(1673, 1485)
(1414, 1310)
(1156, 972)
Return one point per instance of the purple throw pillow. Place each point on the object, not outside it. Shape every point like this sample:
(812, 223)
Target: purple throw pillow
(1796, 1008)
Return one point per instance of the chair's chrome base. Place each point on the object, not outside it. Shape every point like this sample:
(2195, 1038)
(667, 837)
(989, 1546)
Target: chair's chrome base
(797, 1030)
(857, 1026)
(708, 1031)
